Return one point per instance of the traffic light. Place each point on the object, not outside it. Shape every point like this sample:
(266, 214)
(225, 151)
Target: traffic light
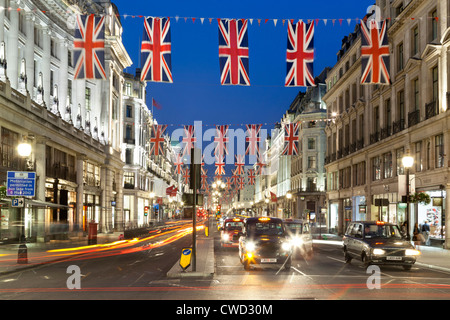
(145, 211)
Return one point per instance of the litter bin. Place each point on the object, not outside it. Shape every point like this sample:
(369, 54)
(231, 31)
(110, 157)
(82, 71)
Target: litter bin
(92, 233)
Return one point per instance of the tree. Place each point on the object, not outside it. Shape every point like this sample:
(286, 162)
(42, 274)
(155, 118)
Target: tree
(420, 197)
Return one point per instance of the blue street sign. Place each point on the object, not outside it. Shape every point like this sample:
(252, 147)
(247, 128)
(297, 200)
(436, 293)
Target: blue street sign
(20, 183)
(18, 202)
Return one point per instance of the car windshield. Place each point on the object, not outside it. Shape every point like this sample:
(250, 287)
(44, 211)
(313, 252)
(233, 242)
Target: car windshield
(233, 225)
(381, 231)
(295, 228)
(266, 228)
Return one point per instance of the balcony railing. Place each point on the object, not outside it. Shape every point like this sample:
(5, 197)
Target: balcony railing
(398, 126)
(374, 137)
(385, 132)
(360, 144)
(413, 118)
(431, 109)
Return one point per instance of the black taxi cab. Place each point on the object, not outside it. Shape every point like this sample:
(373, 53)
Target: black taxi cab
(378, 242)
(231, 232)
(264, 241)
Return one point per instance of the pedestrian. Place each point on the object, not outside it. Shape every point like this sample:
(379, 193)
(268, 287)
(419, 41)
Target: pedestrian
(405, 231)
(426, 232)
(416, 235)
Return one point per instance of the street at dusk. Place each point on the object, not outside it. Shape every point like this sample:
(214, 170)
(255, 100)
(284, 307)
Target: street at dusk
(224, 159)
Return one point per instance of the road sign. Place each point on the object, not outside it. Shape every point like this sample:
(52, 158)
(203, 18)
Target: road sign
(20, 183)
(185, 260)
(18, 202)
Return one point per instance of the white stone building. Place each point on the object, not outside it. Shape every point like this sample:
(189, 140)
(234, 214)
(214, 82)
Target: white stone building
(375, 125)
(77, 138)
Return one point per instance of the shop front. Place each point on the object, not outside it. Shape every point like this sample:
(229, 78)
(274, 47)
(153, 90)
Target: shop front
(389, 208)
(333, 222)
(434, 214)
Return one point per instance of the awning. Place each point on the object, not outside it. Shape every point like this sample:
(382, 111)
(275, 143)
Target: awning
(44, 204)
(41, 204)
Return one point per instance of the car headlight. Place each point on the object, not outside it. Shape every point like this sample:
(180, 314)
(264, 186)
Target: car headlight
(226, 237)
(250, 246)
(297, 241)
(378, 252)
(412, 252)
(286, 246)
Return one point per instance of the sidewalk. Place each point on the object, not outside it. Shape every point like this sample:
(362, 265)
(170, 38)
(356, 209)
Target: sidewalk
(430, 257)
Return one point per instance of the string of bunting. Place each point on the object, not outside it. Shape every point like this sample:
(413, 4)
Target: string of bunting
(251, 20)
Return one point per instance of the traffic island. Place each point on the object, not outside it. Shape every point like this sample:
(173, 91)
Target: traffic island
(204, 261)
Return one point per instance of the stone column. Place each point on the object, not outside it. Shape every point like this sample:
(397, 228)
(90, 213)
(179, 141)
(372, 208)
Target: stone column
(447, 217)
(63, 74)
(12, 56)
(29, 53)
(39, 158)
(45, 68)
(80, 192)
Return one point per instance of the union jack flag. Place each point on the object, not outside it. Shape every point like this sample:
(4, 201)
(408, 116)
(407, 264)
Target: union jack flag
(251, 176)
(260, 165)
(89, 48)
(291, 139)
(178, 163)
(300, 55)
(374, 53)
(157, 140)
(204, 177)
(240, 162)
(186, 176)
(189, 140)
(234, 177)
(156, 50)
(240, 183)
(229, 182)
(253, 138)
(233, 52)
(220, 166)
(221, 140)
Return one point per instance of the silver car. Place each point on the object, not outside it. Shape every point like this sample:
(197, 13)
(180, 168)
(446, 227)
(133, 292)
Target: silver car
(299, 233)
(378, 242)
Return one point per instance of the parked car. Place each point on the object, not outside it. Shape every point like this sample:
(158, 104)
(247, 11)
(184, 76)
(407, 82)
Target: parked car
(231, 232)
(264, 241)
(299, 234)
(378, 242)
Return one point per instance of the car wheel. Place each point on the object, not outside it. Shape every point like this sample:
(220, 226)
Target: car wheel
(407, 267)
(309, 256)
(347, 257)
(365, 260)
(287, 265)
(246, 264)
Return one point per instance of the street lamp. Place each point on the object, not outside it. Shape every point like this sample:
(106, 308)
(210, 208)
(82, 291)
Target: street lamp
(408, 162)
(289, 197)
(24, 150)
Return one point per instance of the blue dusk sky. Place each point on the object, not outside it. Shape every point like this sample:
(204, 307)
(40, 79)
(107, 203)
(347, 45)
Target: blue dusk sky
(196, 93)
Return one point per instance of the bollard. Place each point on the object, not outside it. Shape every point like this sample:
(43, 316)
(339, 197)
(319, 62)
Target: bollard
(22, 255)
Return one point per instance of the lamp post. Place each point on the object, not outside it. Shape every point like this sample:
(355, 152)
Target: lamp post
(24, 151)
(408, 162)
(289, 197)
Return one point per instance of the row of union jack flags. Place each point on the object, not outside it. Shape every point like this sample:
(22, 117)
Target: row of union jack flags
(253, 141)
(156, 51)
